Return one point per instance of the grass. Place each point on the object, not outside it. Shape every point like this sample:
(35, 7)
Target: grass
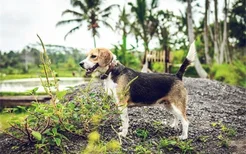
(20, 93)
(61, 73)
(6, 117)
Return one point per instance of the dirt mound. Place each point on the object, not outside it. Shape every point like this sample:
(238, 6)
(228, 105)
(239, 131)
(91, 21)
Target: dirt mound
(216, 112)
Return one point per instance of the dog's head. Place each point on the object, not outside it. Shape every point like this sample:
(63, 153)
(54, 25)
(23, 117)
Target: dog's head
(98, 58)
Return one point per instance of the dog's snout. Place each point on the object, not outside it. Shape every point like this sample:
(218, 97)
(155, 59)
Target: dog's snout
(81, 64)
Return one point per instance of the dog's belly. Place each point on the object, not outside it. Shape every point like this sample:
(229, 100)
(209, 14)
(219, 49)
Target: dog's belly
(146, 96)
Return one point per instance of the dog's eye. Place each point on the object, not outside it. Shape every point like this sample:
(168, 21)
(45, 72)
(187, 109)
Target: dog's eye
(93, 56)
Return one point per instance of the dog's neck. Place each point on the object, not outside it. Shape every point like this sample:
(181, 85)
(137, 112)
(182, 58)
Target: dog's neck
(110, 68)
(115, 68)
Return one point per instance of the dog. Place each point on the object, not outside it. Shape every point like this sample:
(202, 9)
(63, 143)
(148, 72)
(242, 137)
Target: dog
(131, 88)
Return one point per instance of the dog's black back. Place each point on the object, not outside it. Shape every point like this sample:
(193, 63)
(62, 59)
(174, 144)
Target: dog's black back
(146, 88)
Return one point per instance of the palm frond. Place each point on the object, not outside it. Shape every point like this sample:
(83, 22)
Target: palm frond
(72, 30)
(63, 22)
(78, 3)
(107, 24)
(74, 13)
(109, 8)
(106, 15)
(154, 4)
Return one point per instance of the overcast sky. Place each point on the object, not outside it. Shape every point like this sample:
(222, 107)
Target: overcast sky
(21, 20)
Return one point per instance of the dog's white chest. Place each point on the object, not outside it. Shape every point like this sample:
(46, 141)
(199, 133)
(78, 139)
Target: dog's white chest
(110, 86)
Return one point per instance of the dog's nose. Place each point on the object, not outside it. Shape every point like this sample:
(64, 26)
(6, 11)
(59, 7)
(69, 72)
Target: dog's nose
(81, 64)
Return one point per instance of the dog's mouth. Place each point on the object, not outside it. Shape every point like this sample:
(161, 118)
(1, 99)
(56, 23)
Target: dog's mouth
(90, 70)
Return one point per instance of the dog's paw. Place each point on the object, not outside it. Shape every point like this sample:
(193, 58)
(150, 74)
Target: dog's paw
(121, 128)
(123, 133)
(174, 125)
(183, 137)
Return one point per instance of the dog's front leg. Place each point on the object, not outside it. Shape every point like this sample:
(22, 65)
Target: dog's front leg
(125, 120)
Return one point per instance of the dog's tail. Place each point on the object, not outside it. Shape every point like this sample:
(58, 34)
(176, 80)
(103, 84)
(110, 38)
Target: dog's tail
(188, 60)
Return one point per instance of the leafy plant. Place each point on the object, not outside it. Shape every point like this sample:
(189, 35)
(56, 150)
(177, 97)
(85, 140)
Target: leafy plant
(203, 138)
(230, 73)
(139, 149)
(225, 133)
(142, 133)
(172, 144)
(97, 146)
(48, 125)
(167, 144)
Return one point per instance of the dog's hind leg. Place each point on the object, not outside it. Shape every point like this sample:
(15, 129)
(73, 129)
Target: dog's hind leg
(175, 122)
(125, 121)
(180, 113)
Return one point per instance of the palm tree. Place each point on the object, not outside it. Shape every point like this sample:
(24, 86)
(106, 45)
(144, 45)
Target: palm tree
(146, 23)
(90, 12)
(123, 25)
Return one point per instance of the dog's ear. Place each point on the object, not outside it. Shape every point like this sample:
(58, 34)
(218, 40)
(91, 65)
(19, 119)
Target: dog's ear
(105, 57)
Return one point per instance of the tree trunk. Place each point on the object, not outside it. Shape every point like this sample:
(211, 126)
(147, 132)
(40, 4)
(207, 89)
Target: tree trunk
(124, 47)
(201, 72)
(205, 33)
(94, 39)
(216, 35)
(223, 47)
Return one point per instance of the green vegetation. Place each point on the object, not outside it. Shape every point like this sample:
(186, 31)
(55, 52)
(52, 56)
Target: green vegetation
(96, 146)
(173, 145)
(142, 133)
(19, 93)
(225, 133)
(49, 125)
(139, 149)
(6, 117)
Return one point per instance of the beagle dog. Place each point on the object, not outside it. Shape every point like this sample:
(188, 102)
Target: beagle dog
(131, 88)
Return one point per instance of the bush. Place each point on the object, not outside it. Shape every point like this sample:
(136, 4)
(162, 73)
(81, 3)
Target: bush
(47, 126)
(178, 56)
(233, 74)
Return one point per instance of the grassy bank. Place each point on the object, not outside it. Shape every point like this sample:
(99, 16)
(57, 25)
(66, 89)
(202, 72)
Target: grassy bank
(20, 93)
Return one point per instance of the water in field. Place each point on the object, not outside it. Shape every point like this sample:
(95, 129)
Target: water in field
(23, 85)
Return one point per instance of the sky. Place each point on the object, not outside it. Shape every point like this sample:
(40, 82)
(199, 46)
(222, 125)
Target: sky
(21, 20)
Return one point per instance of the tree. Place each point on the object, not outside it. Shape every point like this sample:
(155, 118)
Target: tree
(224, 55)
(237, 23)
(216, 32)
(205, 33)
(90, 12)
(201, 72)
(145, 24)
(123, 25)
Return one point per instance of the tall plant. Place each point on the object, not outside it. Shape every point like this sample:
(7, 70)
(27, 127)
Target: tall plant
(146, 23)
(123, 25)
(90, 12)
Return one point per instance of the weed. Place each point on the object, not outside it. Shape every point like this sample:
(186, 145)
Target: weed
(203, 138)
(157, 125)
(139, 149)
(142, 133)
(224, 141)
(96, 146)
(172, 144)
(185, 146)
(167, 144)
(225, 133)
